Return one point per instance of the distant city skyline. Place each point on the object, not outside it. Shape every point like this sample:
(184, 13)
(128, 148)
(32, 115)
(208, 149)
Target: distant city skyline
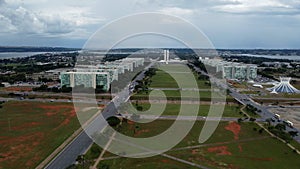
(232, 24)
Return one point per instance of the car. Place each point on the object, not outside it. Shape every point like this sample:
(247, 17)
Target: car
(289, 123)
(277, 116)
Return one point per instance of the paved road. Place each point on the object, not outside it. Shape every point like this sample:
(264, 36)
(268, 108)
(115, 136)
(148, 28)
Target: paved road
(279, 98)
(198, 118)
(51, 94)
(69, 154)
(270, 107)
(54, 100)
(183, 89)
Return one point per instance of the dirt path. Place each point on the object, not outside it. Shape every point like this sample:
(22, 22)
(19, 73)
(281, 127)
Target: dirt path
(104, 150)
(184, 161)
(204, 145)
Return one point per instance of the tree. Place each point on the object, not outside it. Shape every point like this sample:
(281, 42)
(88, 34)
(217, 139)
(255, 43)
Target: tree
(139, 108)
(280, 127)
(293, 133)
(42, 88)
(81, 160)
(136, 128)
(113, 121)
(252, 119)
(239, 120)
(66, 89)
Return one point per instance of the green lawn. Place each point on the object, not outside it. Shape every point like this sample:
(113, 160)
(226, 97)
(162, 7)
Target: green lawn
(250, 149)
(178, 93)
(280, 95)
(164, 80)
(156, 162)
(265, 153)
(30, 131)
(173, 109)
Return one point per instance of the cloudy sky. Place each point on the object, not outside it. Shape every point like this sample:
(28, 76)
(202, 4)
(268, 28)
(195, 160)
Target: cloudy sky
(227, 23)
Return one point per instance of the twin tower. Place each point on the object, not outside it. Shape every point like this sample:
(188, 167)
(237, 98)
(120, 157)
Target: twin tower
(166, 56)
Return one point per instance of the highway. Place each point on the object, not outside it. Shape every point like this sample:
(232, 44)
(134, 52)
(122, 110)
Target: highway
(183, 89)
(187, 118)
(104, 102)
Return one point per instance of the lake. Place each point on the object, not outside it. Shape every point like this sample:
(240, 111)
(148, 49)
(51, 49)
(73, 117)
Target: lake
(273, 56)
(7, 55)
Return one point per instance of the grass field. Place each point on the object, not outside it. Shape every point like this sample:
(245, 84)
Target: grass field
(233, 145)
(156, 162)
(281, 95)
(30, 131)
(180, 95)
(165, 80)
(173, 109)
(177, 94)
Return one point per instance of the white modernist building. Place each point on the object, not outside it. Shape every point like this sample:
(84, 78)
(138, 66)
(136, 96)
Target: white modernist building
(166, 57)
(88, 79)
(284, 86)
(168, 60)
(232, 70)
(99, 74)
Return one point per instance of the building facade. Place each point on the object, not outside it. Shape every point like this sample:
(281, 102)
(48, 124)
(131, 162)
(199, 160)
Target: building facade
(91, 76)
(232, 70)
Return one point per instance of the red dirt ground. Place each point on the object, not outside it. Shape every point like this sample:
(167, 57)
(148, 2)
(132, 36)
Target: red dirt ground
(240, 148)
(235, 128)
(19, 89)
(141, 131)
(165, 161)
(26, 125)
(256, 159)
(54, 109)
(17, 147)
(214, 163)
(195, 151)
(220, 150)
(130, 122)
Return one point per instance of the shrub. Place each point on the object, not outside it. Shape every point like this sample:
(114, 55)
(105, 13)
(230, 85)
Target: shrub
(113, 121)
